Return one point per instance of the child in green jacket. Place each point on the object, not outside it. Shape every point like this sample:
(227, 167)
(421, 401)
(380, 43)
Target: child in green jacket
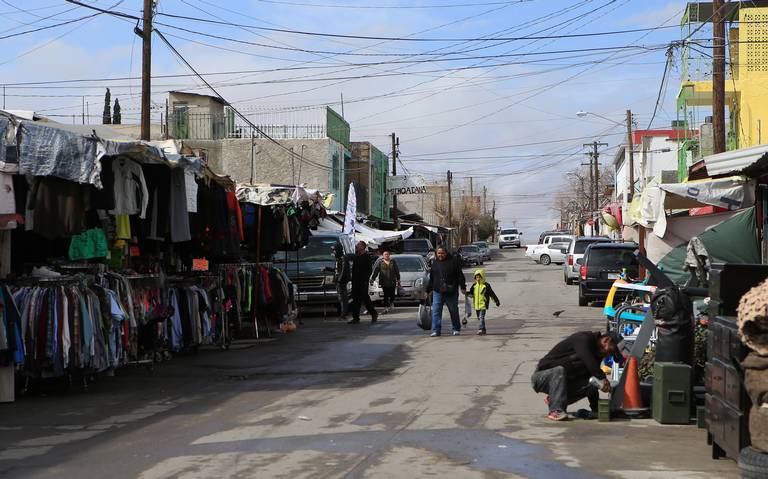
(481, 294)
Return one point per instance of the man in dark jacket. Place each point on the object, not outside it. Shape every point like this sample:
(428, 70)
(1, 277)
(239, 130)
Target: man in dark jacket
(362, 267)
(565, 371)
(342, 276)
(445, 280)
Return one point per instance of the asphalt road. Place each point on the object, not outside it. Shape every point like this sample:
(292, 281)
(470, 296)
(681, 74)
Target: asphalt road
(338, 400)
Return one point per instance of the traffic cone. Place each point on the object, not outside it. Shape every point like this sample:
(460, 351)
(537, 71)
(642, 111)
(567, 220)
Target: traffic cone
(633, 401)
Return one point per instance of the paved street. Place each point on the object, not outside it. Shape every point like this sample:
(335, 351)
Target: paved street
(335, 400)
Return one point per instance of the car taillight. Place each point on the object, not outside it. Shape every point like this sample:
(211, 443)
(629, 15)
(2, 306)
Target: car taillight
(570, 260)
(583, 271)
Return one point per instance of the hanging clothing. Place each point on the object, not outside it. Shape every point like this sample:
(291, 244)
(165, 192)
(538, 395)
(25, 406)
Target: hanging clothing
(178, 207)
(131, 195)
(57, 207)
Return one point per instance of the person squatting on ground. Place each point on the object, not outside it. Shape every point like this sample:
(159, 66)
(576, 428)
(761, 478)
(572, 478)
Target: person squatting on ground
(564, 372)
(481, 294)
(389, 279)
(445, 280)
(362, 267)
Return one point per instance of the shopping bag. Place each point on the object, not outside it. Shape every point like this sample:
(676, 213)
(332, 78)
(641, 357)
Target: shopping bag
(467, 308)
(425, 317)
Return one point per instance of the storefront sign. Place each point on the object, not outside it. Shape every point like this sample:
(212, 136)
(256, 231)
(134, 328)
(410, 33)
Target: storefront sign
(406, 185)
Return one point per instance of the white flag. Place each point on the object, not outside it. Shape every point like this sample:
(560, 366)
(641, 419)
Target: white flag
(350, 217)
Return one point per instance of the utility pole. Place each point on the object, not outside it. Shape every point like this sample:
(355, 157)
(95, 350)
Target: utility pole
(146, 67)
(83, 110)
(596, 179)
(485, 200)
(493, 235)
(718, 76)
(395, 143)
(631, 154)
(450, 206)
(471, 202)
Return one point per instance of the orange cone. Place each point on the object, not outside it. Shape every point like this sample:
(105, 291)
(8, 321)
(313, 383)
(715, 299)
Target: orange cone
(632, 398)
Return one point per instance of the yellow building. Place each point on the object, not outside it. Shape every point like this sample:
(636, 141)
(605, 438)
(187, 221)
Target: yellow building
(746, 84)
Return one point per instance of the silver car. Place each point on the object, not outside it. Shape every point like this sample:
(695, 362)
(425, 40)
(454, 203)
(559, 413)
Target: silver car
(413, 278)
(485, 250)
(470, 255)
(571, 268)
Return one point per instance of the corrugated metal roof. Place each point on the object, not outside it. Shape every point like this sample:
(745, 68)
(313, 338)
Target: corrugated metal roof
(734, 161)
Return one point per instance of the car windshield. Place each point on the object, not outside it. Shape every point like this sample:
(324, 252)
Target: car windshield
(318, 248)
(416, 246)
(581, 245)
(615, 259)
(481, 244)
(408, 264)
(469, 249)
(509, 232)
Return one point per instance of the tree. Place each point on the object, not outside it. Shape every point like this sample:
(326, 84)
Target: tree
(574, 202)
(485, 226)
(106, 116)
(116, 118)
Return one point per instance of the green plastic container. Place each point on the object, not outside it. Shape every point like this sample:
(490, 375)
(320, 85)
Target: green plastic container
(604, 410)
(671, 393)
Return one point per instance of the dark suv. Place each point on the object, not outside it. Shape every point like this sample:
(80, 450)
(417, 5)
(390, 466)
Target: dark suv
(420, 246)
(601, 266)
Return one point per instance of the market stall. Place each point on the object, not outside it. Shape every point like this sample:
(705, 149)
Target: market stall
(116, 252)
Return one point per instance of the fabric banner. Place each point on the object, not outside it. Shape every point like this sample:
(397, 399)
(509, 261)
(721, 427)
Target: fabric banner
(350, 216)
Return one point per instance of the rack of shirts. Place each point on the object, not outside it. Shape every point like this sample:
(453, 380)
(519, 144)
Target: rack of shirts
(197, 316)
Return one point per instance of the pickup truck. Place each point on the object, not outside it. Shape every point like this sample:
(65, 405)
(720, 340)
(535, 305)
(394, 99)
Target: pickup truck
(532, 250)
(311, 268)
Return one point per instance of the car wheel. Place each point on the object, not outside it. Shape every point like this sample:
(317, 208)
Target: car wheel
(545, 259)
(583, 301)
(752, 463)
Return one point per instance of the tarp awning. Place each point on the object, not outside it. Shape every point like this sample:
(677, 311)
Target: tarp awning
(268, 195)
(650, 208)
(372, 236)
(735, 161)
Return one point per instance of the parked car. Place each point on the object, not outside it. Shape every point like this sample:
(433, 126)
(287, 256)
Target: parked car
(543, 235)
(601, 266)
(553, 253)
(421, 246)
(571, 268)
(311, 267)
(532, 252)
(509, 237)
(470, 255)
(485, 250)
(414, 274)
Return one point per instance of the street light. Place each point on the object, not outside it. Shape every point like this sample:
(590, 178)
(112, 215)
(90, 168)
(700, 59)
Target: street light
(584, 114)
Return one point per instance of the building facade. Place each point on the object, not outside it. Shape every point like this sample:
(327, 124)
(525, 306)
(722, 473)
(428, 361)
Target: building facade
(746, 97)
(368, 169)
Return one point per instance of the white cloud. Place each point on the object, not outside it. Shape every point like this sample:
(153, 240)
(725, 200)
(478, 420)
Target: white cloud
(657, 16)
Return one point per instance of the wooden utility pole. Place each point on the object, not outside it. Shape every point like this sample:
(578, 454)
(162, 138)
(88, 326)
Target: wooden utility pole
(596, 180)
(395, 143)
(485, 200)
(450, 200)
(631, 154)
(146, 67)
(718, 76)
(493, 235)
(472, 203)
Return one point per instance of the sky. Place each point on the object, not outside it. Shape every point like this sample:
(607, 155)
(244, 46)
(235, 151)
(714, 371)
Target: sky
(486, 88)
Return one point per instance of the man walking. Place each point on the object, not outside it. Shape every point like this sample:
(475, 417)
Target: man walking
(445, 280)
(564, 373)
(362, 268)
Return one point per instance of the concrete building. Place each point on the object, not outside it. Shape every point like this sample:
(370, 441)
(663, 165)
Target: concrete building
(368, 170)
(313, 150)
(746, 97)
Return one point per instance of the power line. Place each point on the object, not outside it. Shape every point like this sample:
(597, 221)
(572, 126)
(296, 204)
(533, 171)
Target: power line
(391, 7)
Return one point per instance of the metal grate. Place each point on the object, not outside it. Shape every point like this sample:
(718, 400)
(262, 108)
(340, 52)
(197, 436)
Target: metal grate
(306, 283)
(756, 40)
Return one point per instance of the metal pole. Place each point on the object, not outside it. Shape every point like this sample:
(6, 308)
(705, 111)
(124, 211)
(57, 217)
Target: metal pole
(631, 153)
(472, 200)
(718, 76)
(83, 110)
(146, 68)
(395, 142)
(450, 200)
